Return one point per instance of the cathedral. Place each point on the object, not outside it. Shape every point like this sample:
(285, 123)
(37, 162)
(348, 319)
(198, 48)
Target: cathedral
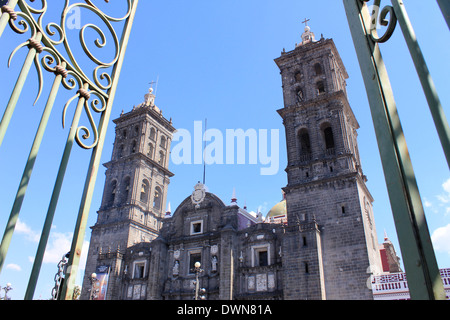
(318, 243)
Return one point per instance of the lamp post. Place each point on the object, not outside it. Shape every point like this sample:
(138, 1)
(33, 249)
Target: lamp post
(198, 290)
(94, 289)
(7, 288)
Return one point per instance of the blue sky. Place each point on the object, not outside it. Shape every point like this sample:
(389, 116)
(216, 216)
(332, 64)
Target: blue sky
(214, 60)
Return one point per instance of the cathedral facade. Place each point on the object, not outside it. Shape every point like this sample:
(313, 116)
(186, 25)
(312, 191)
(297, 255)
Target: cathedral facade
(318, 243)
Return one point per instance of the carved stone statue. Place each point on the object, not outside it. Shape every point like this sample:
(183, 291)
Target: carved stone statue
(214, 264)
(176, 268)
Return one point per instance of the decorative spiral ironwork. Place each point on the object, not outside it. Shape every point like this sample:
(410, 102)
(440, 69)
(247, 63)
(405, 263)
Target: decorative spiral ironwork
(378, 16)
(56, 46)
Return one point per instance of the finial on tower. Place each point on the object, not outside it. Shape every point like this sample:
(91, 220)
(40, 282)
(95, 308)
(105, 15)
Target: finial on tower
(306, 22)
(233, 197)
(307, 35)
(386, 238)
(168, 211)
(150, 96)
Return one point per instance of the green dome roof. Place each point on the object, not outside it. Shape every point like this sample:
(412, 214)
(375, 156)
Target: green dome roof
(277, 210)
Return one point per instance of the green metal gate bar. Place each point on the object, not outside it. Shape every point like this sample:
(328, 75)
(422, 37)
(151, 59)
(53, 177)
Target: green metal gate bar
(88, 191)
(445, 8)
(34, 152)
(7, 14)
(6, 240)
(67, 72)
(83, 96)
(421, 268)
(429, 89)
(19, 86)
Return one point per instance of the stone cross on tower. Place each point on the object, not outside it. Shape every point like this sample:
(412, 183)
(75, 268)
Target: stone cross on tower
(307, 36)
(152, 83)
(150, 96)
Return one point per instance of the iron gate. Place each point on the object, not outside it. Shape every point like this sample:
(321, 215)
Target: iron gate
(421, 268)
(93, 89)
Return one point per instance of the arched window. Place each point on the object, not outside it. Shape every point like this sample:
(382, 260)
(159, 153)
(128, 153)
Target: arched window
(120, 151)
(133, 147)
(112, 192)
(153, 134)
(150, 150)
(318, 69)
(299, 95)
(157, 199)
(136, 131)
(163, 142)
(162, 158)
(125, 189)
(329, 140)
(144, 191)
(298, 76)
(320, 87)
(305, 143)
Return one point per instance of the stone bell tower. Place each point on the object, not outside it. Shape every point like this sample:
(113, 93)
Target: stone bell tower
(135, 192)
(326, 190)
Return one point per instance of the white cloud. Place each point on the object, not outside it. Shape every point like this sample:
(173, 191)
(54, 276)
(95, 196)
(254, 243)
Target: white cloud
(442, 205)
(13, 266)
(58, 245)
(427, 203)
(253, 213)
(263, 208)
(441, 239)
(23, 228)
(446, 186)
(445, 198)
